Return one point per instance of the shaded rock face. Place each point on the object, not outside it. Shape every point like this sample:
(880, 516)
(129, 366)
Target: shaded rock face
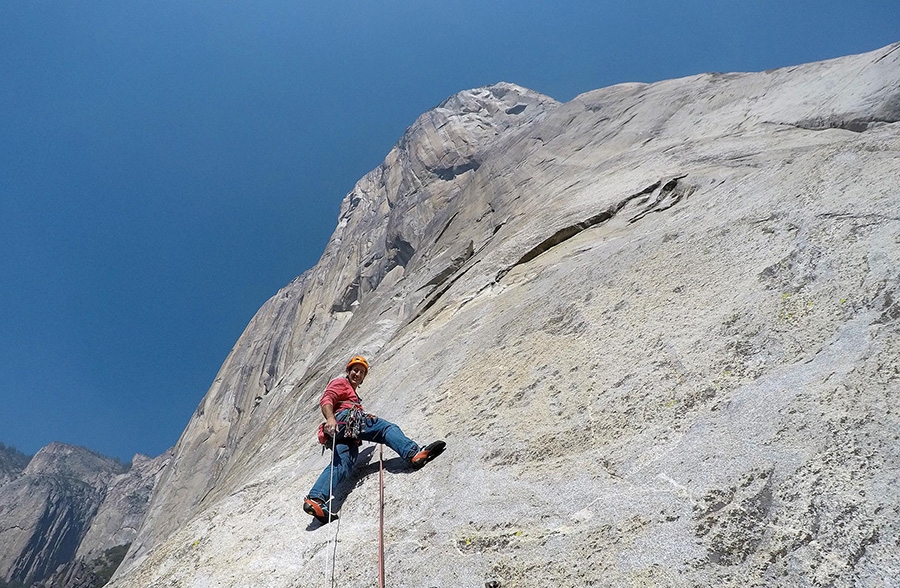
(47, 509)
(67, 504)
(657, 326)
(12, 462)
(123, 508)
(89, 573)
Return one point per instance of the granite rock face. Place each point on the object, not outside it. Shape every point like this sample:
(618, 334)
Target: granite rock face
(69, 504)
(290, 339)
(88, 573)
(123, 508)
(12, 462)
(657, 325)
(47, 509)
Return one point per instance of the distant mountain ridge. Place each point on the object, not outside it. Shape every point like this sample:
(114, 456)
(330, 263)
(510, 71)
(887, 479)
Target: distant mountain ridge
(66, 507)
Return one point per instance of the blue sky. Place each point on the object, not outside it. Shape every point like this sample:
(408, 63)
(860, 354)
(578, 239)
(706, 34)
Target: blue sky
(166, 166)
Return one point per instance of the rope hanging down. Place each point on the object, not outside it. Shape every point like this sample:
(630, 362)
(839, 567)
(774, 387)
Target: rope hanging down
(380, 515)
(337, 528)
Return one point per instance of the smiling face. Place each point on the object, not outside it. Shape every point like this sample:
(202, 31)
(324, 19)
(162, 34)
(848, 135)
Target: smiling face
(356, 373)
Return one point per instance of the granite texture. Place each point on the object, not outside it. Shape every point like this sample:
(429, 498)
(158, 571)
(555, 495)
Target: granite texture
(658, 327)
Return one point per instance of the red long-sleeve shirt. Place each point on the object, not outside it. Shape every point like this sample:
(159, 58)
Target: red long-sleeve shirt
(340, 394)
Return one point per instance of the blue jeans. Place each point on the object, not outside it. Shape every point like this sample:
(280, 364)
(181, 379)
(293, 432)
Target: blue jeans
(376, 430)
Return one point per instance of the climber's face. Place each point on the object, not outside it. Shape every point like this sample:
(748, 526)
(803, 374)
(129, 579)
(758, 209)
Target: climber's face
(356, 373)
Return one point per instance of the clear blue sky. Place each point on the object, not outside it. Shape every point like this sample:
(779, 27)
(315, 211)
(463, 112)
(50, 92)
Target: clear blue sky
(166, 166)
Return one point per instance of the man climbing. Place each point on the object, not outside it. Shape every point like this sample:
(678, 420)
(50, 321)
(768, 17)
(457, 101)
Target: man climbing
(346, 426)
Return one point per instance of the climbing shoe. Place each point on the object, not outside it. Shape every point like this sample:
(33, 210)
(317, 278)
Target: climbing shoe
(318, 509)
(428, 453)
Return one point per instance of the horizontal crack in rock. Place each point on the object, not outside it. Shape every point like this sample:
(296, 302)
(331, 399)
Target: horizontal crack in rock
(451, 269)
(856, 125)
(441, 292)
(661, 197)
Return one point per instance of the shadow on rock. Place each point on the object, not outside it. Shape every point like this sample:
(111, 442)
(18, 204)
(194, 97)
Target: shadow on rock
(366, 465)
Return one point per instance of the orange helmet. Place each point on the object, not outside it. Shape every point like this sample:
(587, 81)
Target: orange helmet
(358, 360)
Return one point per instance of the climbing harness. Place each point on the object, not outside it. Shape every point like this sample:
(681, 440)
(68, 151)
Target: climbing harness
(380, 515)
(355, 423)
(350, 428)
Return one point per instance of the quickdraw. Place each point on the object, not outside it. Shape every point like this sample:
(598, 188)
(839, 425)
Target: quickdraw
(348, 429)
(355, 423)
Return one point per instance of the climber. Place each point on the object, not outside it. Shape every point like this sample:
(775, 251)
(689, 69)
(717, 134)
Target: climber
(346, 426)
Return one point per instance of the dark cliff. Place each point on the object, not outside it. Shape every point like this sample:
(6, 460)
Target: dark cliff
(66, 506)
